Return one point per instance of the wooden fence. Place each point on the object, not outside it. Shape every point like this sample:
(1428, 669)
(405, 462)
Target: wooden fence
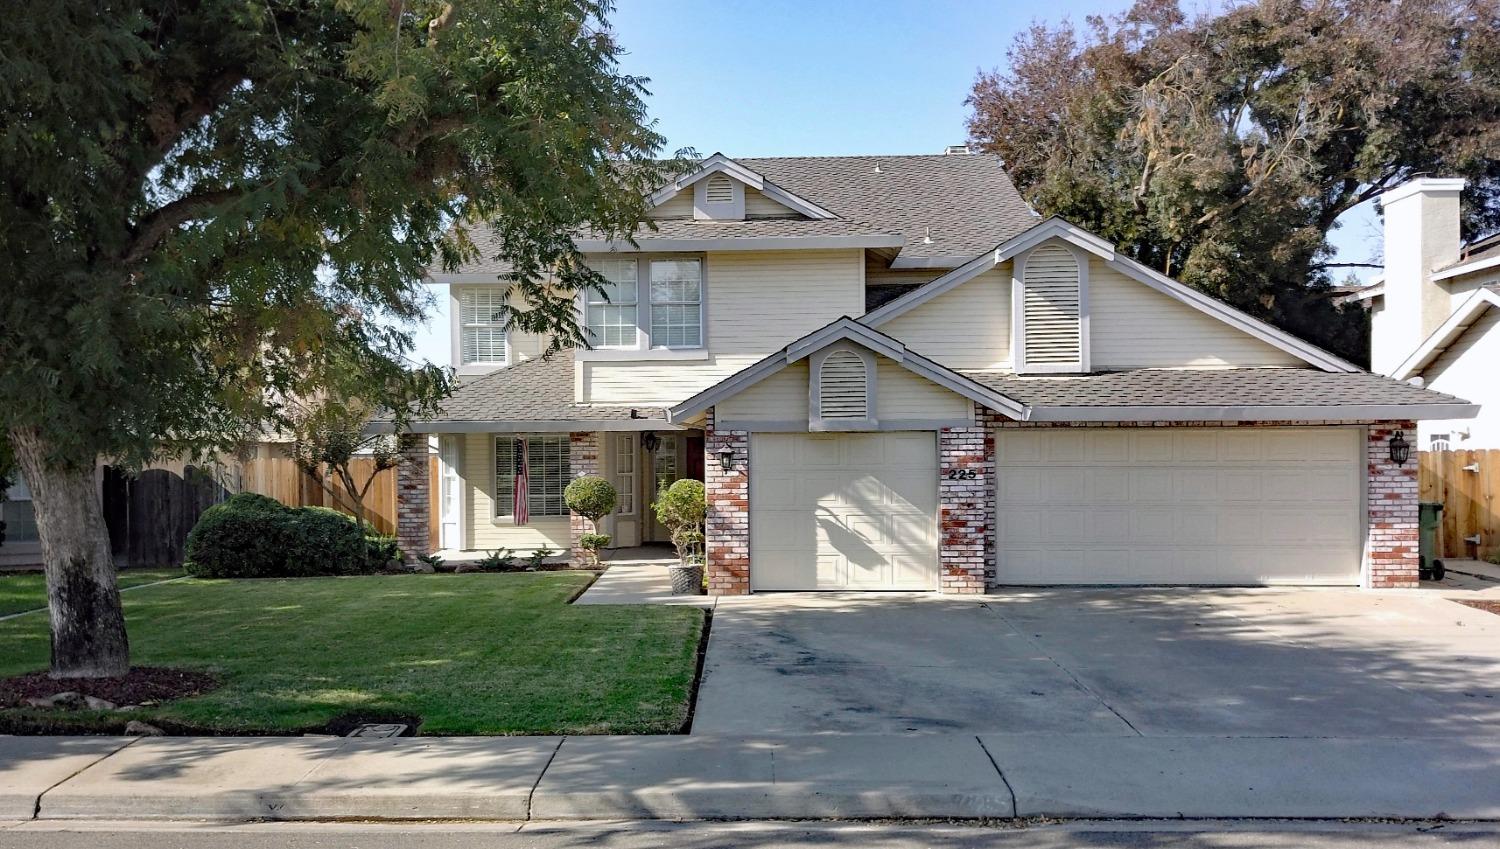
(281, 479)
(1466, 482)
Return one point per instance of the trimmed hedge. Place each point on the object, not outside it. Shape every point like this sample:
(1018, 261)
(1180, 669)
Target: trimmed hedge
(252, 536)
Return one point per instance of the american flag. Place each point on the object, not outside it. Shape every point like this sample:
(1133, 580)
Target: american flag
(520, 506)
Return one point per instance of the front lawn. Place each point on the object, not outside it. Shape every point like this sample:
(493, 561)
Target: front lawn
(22, 591)
(469, 654)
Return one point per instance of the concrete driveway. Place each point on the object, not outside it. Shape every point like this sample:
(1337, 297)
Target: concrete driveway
(1152, 662)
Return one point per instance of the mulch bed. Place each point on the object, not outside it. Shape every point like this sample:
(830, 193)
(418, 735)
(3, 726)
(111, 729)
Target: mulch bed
(142, 684)
(1491, 606)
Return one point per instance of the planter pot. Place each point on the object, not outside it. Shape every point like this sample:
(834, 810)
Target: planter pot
(686, 580)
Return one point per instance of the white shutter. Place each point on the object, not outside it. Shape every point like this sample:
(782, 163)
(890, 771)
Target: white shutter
(719, 189)
(1051, 308)
(843, 387)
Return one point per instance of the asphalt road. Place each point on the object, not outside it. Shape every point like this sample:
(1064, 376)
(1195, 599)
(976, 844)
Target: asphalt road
(644, 835)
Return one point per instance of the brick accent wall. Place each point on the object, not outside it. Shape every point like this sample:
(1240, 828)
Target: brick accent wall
(413, 497)
(966, 507)
(727, 531)
(1391, 498)
(583, 460)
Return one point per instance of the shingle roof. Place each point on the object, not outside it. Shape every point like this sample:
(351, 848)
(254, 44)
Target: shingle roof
(1293, 387)
(965, 204)
(539, 389)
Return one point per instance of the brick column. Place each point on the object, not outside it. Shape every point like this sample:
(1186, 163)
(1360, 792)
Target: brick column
(583, 460)
(413, 497)
(727, 531)
(966, 459)
(1391, 498)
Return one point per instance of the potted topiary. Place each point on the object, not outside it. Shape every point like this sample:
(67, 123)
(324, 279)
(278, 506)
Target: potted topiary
(592, 498)
(682, 508)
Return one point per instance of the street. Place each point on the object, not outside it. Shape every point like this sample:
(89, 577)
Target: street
(746, 835)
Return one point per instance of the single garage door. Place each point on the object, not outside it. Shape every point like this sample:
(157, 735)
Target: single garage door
(1179, 506)
(845, 511)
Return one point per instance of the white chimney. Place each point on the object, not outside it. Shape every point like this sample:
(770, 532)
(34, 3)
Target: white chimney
(1421, 236)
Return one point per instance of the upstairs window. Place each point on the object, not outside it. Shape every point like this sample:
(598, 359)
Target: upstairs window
(612, 315)
(676, 303)
(482, 326)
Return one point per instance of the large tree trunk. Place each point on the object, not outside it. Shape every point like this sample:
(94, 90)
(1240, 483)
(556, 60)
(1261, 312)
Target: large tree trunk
(88, 626)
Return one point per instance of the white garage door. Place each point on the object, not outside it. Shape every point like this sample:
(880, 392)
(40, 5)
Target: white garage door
(1188, 506)
(847, 511)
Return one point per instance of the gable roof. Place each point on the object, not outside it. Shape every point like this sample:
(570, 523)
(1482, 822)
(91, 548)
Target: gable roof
(719, 163)
(850, 330)
(1449, 331)
(1057, 228)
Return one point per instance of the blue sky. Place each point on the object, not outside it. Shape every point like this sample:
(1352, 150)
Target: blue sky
(827, 77)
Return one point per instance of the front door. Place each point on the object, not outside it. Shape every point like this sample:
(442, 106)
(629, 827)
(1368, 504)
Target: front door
(625, 462)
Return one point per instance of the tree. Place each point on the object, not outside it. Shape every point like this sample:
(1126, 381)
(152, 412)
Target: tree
(683, 507)
(1222, 149)
(202, 200)
(593, 498)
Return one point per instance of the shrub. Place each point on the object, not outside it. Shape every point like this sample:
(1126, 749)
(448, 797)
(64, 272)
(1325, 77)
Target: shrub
(498, 560)
(594, 542)
(536, 557)
(682, 508)
(590, 497)
(252, 536)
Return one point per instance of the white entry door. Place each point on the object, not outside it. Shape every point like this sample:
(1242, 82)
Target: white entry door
(1238, 506)
(844, 511)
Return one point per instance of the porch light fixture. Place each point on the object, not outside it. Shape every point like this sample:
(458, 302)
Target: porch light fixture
(726, 458)
(1400, 448)
(649, 441)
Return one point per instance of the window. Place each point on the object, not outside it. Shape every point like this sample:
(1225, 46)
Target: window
(612, 315)
(16, 510)
(676, 303)
(481, 316)
(546, 469)
(625, 474)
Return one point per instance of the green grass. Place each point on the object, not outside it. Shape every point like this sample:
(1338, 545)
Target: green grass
(469, 654)
(22, 591)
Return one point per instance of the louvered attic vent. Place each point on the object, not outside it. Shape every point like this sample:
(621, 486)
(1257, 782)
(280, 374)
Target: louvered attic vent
(843, 387)
(720, 189)
(1051, 309)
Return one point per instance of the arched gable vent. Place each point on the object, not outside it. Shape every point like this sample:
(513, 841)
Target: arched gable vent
(843, 387)
(1051, 307)
(720, 189)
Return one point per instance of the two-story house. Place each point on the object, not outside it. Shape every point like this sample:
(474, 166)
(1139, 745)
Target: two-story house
(892, 375)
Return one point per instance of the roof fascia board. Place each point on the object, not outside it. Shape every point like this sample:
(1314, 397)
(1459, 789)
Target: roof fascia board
(1055, 228)
(1447, 333)
(953, 279)
(845, 328)
(1468, 268)
(796, 202)
(729, 386)
(1234, 318)
(1169, 413)
(720, 163)
(646, 244)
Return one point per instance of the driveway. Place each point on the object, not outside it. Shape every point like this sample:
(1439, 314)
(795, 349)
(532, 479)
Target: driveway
(1152, 662)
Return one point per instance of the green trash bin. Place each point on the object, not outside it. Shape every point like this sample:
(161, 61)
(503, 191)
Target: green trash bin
(1429, 525)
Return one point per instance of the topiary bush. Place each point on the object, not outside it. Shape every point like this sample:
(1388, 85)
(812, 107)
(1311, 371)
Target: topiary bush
(252, 536)
(683, 508)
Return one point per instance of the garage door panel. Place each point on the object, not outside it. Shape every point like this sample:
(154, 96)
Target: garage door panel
(1204, 506)
(862, 512)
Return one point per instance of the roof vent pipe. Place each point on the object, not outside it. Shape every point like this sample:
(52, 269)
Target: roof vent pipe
(956, 150)
(927, 239)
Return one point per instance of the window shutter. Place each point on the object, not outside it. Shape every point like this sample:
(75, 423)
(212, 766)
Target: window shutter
(719, 189)
(843, 387)
(1050, 309)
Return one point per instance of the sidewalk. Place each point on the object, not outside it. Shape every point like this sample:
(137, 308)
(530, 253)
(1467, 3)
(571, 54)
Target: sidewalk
(682, 777)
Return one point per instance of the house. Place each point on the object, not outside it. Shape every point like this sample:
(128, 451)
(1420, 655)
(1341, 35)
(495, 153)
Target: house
(1435, 312)
(892, 375)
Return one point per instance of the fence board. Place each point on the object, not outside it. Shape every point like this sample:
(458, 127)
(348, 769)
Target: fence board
(1466, 483)
(281, 479)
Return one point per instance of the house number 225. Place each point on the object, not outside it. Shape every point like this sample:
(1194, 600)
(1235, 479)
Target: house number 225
(961, 474)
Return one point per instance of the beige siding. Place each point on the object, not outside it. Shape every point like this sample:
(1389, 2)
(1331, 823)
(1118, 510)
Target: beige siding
(679, 205)
(966, 328)
(757, 205)
(483, 532)
(782, 397)
(757, 302)
(1460, 288)
(903, 396)
(1134, 326)
(1467, 369)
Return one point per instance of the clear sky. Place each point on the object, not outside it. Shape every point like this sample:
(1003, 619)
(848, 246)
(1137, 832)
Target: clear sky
(826, 77)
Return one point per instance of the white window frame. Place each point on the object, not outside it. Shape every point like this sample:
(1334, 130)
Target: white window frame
(592, 298)
(504, 503)
(455, 306)
(650, 320)
(645, 347)
(1018, 314)
(626, 466)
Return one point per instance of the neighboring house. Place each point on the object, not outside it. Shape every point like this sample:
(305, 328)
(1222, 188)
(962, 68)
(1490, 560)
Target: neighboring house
(1435, 313)
(893, 376)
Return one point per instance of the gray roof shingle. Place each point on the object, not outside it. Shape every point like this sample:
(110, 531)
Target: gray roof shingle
(1292, 387)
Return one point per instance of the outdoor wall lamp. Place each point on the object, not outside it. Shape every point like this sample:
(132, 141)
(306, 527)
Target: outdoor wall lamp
(1400, 449)
(726, 458)
(649, 441)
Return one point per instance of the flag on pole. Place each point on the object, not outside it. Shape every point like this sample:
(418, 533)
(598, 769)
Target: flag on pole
(520, 507)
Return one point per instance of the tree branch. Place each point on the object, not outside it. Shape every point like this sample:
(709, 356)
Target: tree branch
(154, 227)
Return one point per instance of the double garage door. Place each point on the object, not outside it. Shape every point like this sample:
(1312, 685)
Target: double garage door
(858, 511)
